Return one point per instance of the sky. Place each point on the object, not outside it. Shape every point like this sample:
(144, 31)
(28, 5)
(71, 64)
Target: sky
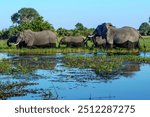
(66, 13)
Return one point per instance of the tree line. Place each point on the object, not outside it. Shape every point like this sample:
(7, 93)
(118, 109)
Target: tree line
(29, 18)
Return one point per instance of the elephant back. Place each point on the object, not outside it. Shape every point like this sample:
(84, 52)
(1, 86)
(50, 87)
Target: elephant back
(77, 39)
(125, 34)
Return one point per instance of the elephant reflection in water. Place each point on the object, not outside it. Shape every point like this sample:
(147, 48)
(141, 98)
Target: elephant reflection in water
(126, 70)
(130, 68)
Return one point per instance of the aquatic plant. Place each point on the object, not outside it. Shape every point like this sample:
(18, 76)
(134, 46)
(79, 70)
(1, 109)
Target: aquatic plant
(103, 65)
(25, 65)
(5, 66)
(12, 89)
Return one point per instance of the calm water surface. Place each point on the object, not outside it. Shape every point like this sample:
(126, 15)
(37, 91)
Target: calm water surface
(81, 84)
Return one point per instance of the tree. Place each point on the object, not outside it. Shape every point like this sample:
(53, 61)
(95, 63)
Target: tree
(63, 32)
(144, 28)
(37, 24)
(24, 15)
(81, 30)
(79, 26)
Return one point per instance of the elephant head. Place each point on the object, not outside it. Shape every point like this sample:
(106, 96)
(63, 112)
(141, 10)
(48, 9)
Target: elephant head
(23, 38)
(11, 39)
(104, 32)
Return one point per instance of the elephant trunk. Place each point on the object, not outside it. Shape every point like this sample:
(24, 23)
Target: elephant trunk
(8, 43)
(85, 41)
(93, 39)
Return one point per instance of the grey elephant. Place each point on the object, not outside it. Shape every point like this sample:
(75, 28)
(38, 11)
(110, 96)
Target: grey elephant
(98, 41)
(125, 37)
(72, 41)
(32, 39)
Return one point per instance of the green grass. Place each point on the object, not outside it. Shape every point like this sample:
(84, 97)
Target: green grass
(145, 42)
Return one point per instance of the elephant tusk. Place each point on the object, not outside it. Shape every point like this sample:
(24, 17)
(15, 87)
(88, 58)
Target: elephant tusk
(18, 43)
(90, 36)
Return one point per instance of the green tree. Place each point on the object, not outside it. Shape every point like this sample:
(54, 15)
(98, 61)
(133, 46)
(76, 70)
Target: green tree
(37, 24)
(81, 30)
(144, 28)
(24, 15)
(79, 26)
(63, 32)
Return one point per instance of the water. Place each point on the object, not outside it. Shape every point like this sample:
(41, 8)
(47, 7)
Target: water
(65, 83)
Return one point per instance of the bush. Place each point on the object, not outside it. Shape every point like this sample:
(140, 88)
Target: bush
(144, 29)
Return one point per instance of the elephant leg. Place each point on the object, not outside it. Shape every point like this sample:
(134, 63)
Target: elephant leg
(31, 47)
(110, 46)
(67, 45)
(70, 45)
(30, 44)
(131, 45)
(53, 45)
(84, 45)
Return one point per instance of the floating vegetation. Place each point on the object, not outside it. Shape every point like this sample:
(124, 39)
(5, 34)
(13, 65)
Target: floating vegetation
(5, 66)
(24, 65)
(103, 65)
(12, 89)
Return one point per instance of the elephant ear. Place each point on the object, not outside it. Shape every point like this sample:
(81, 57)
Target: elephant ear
(98, 31)
(104, 30)
(109, 34)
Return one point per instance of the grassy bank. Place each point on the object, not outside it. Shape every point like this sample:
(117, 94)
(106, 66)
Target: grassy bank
(5, 48)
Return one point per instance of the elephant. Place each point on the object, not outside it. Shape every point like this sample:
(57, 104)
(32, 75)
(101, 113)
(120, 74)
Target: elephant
(73, 41)
(13, 39)
(98, 41)
(125, 37)
(42, 39)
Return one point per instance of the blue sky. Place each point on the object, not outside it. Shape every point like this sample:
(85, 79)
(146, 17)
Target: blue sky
(66, 13)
